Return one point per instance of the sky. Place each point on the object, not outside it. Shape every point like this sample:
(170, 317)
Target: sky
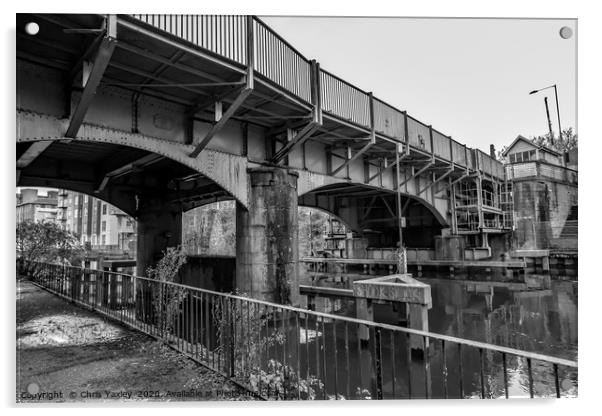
(468, 78)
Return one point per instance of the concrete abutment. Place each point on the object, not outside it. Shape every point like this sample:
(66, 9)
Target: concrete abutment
(267, 237)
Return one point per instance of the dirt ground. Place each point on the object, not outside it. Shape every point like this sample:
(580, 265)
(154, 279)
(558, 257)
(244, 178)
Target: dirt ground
(66, 354)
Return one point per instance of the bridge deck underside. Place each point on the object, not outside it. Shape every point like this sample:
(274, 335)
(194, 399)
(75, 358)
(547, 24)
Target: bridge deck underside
(178, 69)
(131, 173)
(152, 62)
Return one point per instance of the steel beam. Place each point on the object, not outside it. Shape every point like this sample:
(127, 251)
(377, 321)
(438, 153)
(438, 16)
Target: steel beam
(101, 61)
(420, 172)
(439, 179)
(77, 68)
(242, 96)
(127, 168)
(395, 163)
(32, 152)
(461, 178)
(299, 138)
(355, 156)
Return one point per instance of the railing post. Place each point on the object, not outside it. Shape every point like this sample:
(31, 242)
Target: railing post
(406, 133)
(316, 92)
(232, 357)
(250, 52)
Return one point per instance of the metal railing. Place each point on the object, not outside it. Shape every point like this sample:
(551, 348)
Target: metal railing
(283, 352)
(280, 63)
(342, 99)
(224, 35)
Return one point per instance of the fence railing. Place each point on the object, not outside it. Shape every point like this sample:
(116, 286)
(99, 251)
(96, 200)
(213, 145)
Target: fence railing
(342, 99)
(224, 35)
(279, 62)
(283, 352)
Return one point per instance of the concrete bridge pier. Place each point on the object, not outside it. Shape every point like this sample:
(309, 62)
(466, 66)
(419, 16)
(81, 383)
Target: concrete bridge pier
(267, 237)
(159, 226)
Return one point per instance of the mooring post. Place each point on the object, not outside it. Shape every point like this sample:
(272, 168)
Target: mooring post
(417, 318)
(364, 311)
(545, 263)
(311, 302)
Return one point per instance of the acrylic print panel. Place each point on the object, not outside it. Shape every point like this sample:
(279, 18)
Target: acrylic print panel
(217, 208)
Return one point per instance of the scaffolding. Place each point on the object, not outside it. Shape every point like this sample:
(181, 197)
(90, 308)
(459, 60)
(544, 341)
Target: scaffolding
(507, 205)
(478, 205)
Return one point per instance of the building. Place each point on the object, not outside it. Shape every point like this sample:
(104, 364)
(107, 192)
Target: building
(33, 206)
(93, 221)
(96, 222)
(544, 190)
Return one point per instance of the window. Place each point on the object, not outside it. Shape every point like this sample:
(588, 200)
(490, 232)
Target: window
(104, 239)
(104, 209)
(528, 155)
(512, 158)
(519, 157)
(103, 226)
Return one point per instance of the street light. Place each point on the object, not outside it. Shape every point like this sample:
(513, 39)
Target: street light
(557, 108)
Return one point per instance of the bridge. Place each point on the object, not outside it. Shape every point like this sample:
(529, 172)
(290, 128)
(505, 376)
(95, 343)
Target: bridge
(159, 114)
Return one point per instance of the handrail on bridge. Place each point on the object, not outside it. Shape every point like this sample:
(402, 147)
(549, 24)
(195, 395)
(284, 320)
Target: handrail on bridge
(283, 65)
(244, 338)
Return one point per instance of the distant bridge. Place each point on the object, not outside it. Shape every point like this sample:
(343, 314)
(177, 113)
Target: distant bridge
(158, 114)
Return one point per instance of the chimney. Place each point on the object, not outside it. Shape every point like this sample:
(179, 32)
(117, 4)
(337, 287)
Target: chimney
(492, 151)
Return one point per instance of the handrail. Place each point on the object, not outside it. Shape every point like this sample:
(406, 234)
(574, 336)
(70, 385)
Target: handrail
(282, 64)
(185, 314)
(476, 344)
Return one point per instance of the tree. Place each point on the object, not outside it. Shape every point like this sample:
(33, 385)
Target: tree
(568, 140)
(167, 298)
(46, 242)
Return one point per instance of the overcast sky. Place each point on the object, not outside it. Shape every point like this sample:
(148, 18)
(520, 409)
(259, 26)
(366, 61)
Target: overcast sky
(468, 78)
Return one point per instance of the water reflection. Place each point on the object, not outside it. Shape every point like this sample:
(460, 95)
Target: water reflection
(538, 318)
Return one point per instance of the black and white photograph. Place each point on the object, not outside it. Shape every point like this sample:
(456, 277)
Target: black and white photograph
(217, 207)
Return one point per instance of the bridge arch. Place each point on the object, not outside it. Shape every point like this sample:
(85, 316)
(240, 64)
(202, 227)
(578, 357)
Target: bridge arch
(311, 196)
(371, 212)
(226, 170)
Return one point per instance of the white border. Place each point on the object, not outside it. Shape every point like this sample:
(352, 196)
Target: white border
(589, 70)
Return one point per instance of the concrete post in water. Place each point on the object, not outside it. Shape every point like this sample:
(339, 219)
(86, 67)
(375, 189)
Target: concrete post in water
(418, 319)
(267, 240)
(364, 311)
(311, 303)
(399, 288)
(545, 264)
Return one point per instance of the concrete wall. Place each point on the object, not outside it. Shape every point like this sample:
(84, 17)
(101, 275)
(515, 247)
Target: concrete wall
(208, 272)
(542, 208)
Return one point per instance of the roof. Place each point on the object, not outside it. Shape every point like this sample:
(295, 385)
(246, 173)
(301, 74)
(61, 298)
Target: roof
(40, 201)
(524, 139)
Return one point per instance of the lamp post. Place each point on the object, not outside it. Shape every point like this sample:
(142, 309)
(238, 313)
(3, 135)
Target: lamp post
(557, 107)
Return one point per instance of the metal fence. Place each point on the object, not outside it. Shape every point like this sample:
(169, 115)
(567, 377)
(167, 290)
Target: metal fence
(283, 352)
